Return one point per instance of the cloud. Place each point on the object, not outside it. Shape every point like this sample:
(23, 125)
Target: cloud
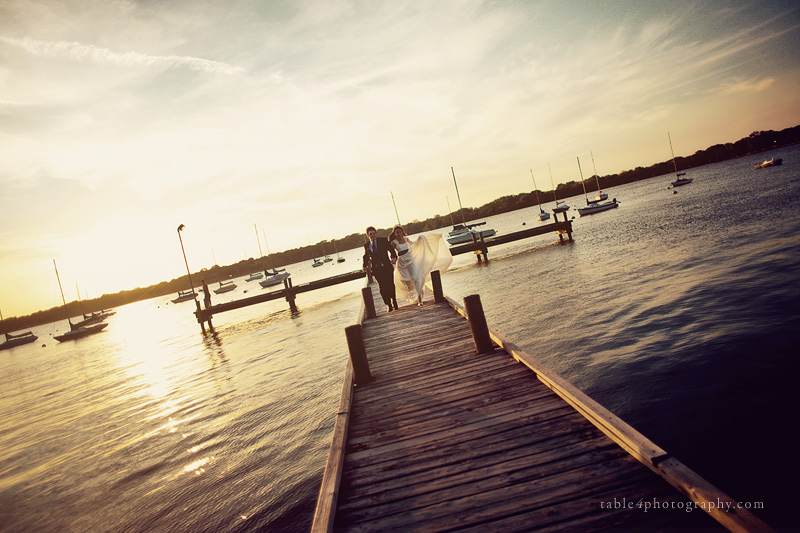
(75, 51)
(744, 86)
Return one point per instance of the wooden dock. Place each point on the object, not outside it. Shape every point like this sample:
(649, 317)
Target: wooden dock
(443, 438)
(288, 292)
(481, 247)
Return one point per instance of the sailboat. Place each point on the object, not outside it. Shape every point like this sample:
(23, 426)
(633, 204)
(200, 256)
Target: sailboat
(16, 340)
(256, 275)
(327, 258)
(225, 286)
(317, 262)
(543, 215)
(600, 194)
(596, 207)
(185, 296)
(678, 179)
(87, 320)
(558, 208)
(276, 275)
(75, 332)
(462, 233)
(339, 258)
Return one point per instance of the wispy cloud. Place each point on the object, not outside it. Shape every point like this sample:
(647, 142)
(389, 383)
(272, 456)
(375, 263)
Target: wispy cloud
(75, 51)
(740, 86)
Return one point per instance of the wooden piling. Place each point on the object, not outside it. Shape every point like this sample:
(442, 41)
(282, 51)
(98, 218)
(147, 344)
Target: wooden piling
(290, 294)
(358, 354)
(477, 324)
(369, 302)
(436, 281)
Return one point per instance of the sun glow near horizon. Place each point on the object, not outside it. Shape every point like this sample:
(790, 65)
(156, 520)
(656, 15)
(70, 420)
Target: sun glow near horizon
(119, 122)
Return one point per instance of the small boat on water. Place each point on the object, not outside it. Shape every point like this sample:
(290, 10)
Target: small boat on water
(561, 206)
(75, 331)
(770, 163)
(598, 207)
(16, 340)
(185, 296)
(678, 179)
(463, 233)
(317, 263)
(254, 276)
(593, 207)
(601, 196)
(543, 215)
(275, 277)
(225, 286)
(80, 332)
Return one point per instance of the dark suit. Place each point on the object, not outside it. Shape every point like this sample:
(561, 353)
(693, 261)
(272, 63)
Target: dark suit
(382, 269)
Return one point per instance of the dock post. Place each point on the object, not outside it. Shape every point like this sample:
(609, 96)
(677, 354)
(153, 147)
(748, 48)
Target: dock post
(369, 303)
(287, 285)
(477, 324)
(358, 354)
(436, 281)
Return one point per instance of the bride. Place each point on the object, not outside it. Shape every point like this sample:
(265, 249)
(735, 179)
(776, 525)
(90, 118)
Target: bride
(416, 260)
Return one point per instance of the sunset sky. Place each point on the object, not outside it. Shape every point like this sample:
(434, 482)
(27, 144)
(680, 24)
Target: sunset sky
(120, 120)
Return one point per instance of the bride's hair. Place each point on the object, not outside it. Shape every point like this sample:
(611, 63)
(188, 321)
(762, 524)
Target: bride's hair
(394, 231)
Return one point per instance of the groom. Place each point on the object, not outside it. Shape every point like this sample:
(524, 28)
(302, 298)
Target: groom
(376, 259)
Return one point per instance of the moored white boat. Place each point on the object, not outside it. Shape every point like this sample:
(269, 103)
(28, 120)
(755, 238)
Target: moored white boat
(601, 196)
(770, 163)
(593, 207)
(678, 179)
(75, 332)
(225, 286)
(598, 207)
(543, 215)
(185, 296)
(561, 206)
(254, 276)
(274, 278)
(16, 339)
(463, 233)
(80, 332)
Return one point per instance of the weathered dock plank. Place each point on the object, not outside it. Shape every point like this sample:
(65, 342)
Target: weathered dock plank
(445, 439)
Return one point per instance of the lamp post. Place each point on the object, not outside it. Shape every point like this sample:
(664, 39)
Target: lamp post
(187, 265)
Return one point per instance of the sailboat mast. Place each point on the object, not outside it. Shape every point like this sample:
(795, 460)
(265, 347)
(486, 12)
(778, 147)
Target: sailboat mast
(80, 303)
(450, 211)
(582, 182)
(260, 253)
(552, 183)
(535, 189)
(460, 208)
(62, 293)
(674, 164)
(395, 208)
(596, 178)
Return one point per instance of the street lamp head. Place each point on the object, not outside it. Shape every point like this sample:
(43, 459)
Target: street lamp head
(180, 228)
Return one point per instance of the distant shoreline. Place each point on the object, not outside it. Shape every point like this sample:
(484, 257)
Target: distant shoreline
(756, 143)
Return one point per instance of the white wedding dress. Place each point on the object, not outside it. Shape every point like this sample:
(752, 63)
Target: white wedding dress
(427, 253)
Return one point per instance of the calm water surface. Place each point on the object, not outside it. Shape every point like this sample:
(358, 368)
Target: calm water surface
(679, 312)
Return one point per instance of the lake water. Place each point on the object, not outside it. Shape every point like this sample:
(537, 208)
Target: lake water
(679, 312)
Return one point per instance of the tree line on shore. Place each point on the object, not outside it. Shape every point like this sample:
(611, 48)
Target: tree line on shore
(756, 142)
